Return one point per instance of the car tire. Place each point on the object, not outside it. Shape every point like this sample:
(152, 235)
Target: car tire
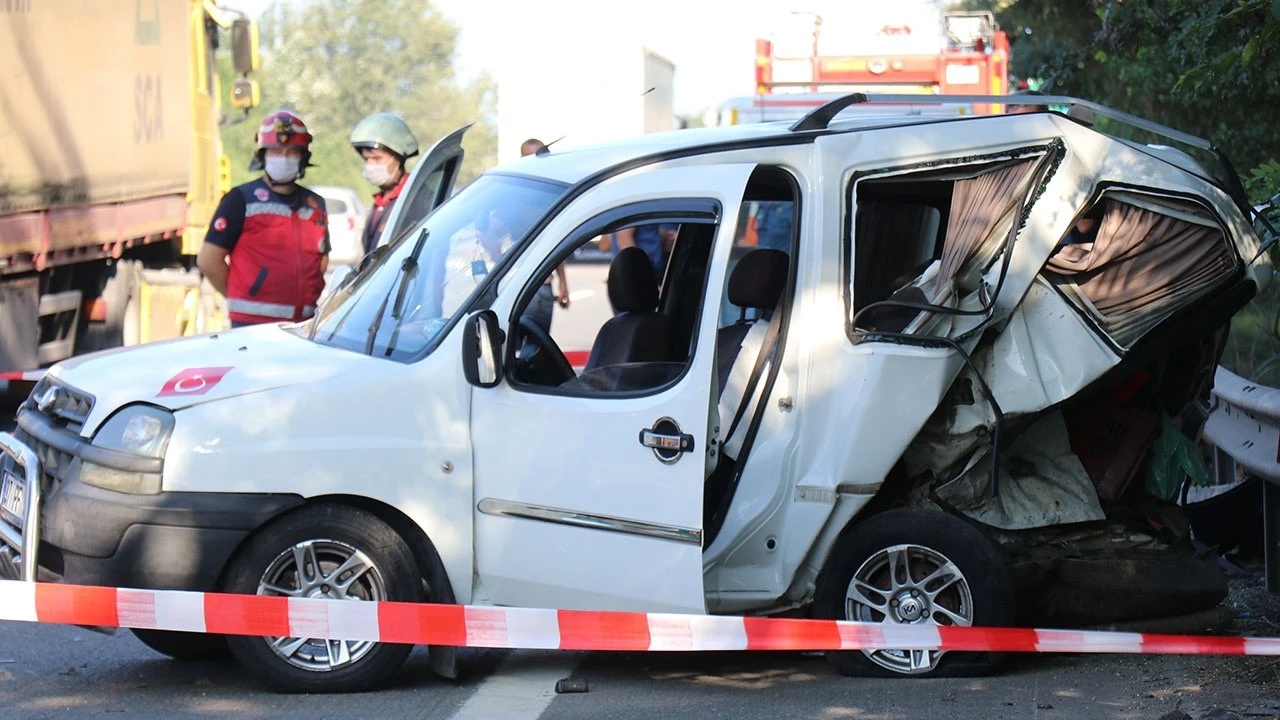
(185, 646)
(340, 540)
(980, 593)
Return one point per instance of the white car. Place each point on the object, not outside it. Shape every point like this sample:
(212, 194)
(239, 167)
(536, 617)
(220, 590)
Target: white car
(347, 215)
(929, 404)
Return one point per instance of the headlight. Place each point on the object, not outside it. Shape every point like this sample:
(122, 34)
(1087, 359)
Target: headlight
(137, 429)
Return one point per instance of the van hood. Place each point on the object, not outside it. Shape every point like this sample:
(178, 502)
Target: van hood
(189, 371)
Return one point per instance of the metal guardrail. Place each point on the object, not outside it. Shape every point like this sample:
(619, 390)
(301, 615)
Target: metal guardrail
(1244, 427)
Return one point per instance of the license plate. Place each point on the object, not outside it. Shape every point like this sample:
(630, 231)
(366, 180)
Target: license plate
(13, 498)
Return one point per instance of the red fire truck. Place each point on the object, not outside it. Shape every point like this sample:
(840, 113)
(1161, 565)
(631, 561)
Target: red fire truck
(811, 59)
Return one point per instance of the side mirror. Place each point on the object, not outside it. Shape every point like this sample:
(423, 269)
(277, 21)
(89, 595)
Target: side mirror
(482, 349)
(1275, 201)
(245, 94)
(244, 46)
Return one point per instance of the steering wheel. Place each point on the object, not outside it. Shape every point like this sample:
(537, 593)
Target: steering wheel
(547, 356)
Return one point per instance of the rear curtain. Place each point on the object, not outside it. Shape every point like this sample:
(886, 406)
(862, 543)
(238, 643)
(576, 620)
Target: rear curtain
(889, 232)
(1142, 266)
(979, 207)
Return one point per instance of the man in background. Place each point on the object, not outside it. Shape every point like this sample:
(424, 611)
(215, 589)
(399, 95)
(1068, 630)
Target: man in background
(385, 144)
(542, 307)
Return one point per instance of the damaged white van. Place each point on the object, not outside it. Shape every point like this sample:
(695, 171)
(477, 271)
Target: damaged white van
(932, 397)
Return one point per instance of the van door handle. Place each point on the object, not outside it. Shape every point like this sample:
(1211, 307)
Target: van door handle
(667, 440)
(682, 442)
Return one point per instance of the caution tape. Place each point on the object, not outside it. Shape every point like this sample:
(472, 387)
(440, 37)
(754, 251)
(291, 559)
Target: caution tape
(533, 628)
(23, 376)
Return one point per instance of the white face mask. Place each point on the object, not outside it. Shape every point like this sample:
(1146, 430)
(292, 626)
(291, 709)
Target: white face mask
(282, 169)
(378, 174)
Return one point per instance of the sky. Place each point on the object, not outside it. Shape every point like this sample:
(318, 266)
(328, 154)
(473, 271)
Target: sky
(711, 42)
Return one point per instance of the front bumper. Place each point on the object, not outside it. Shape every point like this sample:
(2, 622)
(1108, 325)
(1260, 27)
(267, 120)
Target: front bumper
(18, 550)
(86, 535)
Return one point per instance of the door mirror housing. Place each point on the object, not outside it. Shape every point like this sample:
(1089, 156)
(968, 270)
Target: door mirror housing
(244, 46)
(482, 341)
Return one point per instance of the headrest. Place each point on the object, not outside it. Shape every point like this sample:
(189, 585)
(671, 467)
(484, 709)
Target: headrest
(632, 287)
(759, 279)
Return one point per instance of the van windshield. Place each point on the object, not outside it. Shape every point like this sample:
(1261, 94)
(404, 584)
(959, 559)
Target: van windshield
(412, 290)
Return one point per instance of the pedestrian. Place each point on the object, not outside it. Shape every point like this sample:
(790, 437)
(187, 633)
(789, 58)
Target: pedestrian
(533, 146)
(1015, 108)
(542, 307)
(267, 247)
(773, 225)
(385, 143)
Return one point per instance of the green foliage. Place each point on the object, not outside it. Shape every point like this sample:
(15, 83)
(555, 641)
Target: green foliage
(1264, 181)
(335, 61)
(1253, 346)
(1209, 67)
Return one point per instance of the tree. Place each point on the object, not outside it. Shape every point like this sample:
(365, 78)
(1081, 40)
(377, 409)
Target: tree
(335, 61)
(1209, 67)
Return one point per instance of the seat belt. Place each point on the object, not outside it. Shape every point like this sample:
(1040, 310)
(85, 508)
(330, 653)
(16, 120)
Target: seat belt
(766, 349)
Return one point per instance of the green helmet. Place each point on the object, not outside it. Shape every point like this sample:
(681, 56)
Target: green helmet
(385, 130)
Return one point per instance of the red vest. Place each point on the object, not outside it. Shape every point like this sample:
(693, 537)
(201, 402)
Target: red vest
(275, 270)
(378, 214)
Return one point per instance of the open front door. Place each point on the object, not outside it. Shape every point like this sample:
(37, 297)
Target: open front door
(429, 184)
(589, 484)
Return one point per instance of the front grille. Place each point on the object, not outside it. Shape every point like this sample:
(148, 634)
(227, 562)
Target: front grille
(54, 463)
(49, 459)
(68, 406)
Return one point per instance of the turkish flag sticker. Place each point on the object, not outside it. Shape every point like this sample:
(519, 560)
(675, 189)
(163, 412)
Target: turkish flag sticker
(193, 381)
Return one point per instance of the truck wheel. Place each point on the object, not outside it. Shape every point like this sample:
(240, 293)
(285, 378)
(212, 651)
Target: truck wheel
(123, 297)
(185, 645)
(915, 567)
(324, 551)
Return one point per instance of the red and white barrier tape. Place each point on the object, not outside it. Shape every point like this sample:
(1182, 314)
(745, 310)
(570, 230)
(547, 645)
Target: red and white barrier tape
(526, 628)
(23, 376)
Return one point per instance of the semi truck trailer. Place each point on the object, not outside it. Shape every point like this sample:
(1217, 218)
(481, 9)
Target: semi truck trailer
(111, 165)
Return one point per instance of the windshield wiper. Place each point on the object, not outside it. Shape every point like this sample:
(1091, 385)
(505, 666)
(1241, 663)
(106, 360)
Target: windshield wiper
(410, 263)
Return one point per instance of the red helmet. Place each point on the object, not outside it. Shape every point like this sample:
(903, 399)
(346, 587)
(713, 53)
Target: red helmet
(282, 129)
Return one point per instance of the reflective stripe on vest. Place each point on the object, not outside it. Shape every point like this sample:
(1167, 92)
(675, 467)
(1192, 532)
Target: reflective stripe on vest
(267, 309)
(275, 208)
(269, 208)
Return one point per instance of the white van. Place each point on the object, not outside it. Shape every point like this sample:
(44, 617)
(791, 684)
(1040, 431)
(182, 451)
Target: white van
(930, 404)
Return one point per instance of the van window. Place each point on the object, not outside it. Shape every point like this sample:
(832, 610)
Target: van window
(1134, 259)
(631, 325)
(926, 238)
(416, 287)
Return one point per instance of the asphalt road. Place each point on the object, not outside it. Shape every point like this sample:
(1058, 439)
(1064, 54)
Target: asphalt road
(63, 672)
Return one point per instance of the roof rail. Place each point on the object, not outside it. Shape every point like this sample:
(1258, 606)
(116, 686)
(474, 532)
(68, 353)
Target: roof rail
(821, 117)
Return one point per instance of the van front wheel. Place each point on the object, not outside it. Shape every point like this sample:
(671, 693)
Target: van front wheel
(915, 567)
(324, 551)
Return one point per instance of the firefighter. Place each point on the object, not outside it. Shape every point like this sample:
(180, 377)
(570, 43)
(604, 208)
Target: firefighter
(385, 143)
(267, 248)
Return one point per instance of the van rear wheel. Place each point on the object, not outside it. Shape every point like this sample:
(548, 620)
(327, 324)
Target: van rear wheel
(324, 551)
(915, 567)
